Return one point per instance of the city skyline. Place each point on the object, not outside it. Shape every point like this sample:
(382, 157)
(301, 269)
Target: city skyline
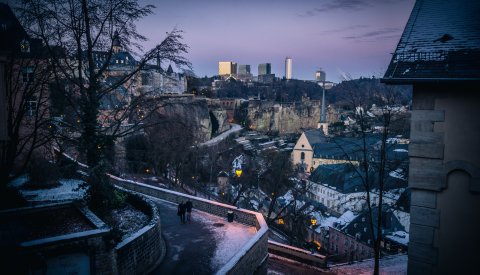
(355, 37)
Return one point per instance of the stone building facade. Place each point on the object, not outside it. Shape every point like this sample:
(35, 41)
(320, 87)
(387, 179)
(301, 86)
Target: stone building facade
(439, 54)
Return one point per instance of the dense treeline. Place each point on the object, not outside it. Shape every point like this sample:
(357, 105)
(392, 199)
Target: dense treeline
(295, 90)
(374, 92)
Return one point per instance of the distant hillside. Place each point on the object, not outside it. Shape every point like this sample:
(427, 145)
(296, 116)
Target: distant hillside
(370, 89)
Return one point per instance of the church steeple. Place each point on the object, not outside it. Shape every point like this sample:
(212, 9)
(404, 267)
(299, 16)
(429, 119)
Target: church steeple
(116, 45)
(322, 124)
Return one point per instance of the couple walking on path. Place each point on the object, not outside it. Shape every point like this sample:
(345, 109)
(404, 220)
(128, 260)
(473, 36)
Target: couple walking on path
(185, 208)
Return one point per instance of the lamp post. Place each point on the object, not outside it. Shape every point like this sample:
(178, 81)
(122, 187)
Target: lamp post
(238, 174)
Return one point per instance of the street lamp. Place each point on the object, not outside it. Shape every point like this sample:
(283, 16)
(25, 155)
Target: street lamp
(313, 221)
(238, 172)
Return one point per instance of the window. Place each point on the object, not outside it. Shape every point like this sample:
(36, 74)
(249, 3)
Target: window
(31, 106)
(27, 74)
(302, 155)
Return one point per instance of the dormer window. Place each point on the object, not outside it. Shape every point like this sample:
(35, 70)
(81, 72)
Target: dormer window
(25, 46)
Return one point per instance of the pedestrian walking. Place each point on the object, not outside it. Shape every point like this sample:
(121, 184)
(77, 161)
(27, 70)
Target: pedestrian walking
(181, 212)
(189, 207)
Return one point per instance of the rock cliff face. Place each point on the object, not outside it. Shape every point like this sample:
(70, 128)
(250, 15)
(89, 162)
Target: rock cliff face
(268, 116)
(193, 111)
(220, 115)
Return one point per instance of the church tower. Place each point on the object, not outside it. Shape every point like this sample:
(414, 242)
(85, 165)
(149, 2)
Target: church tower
(116, 45)
(323, 118)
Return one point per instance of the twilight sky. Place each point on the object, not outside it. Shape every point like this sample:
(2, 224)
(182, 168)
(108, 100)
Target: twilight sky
(353, 36)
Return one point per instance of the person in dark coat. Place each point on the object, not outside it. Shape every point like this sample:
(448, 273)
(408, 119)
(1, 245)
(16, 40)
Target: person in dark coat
(189, 207)
(181, 212)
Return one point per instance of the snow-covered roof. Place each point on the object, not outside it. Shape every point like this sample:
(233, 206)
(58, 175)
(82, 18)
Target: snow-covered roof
(441, 40)
(400, 237)
(342, 221)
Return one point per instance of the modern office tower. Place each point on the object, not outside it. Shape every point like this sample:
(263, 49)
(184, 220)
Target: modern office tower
(265, 68)
(243, 69)
(288, 68)
(234, 68)
(227, 68)
(320, 76)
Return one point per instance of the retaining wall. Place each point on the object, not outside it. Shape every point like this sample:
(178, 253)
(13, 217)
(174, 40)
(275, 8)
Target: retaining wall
(250, 257)
(141, 252)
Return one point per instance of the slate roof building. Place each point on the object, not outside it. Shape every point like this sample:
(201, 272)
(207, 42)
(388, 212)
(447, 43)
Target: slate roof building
(313, 148)
(354, 241)
(439, 54)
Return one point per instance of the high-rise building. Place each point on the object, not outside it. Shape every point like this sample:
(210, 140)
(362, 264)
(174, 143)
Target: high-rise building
(227, 68)
(288, 68)
(320, 76)
(265, 68)
(243, 69)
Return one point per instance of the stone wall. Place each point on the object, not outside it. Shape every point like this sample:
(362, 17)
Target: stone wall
(141, 252)
(444, 178)
(249, 257)
(35, 255)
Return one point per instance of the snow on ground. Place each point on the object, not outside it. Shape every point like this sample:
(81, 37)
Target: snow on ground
(21, 180)
(394, 265)
(222, 136)
(129, 220)
(230, 238)
(68, 190)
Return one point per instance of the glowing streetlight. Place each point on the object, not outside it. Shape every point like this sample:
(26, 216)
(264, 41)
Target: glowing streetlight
(313, 221)
(238, 172)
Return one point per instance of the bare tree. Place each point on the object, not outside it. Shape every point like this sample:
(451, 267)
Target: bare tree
(375, 161)
(276, 179)
(171, 141)
(74, 33)
(81, 39)
(29, 127)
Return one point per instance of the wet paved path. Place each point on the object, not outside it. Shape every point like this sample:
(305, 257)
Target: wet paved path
(200, 247)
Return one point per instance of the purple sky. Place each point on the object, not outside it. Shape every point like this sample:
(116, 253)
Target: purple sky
(356, 37)
(353, 36)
